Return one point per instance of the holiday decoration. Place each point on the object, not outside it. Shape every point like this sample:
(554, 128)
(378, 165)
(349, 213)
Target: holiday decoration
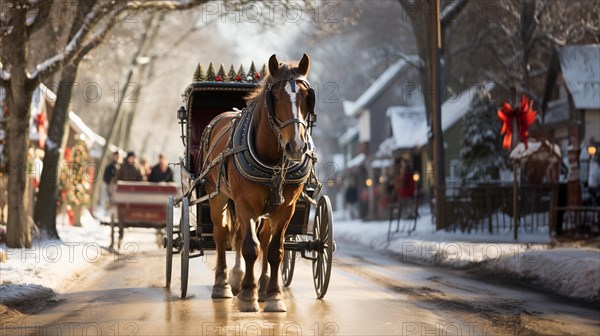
(210, 74)
(253, 76)
(232, 75)
(252, 73)
(41, 123)
(73, 185)
(524, 116)
(241, 73)
(199, 74)
(263, 71)
(220, 74)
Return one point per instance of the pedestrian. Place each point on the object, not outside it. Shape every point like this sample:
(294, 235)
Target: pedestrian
(131, 170)
(161, 172)
(594, 180)
(110, 175)
(351, 198)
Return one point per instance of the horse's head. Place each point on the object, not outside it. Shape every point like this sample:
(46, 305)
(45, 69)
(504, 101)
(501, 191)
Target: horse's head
(290, 105)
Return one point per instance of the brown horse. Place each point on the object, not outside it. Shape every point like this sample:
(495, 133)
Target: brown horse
(280, 113)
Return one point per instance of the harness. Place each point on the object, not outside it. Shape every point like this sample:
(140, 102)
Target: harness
(240, 146)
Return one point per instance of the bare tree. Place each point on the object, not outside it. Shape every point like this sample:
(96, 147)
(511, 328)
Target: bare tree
(519, 36)
(20, 19)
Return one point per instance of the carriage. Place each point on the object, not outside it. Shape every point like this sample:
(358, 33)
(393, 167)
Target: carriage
(309, 233)
(139, 205)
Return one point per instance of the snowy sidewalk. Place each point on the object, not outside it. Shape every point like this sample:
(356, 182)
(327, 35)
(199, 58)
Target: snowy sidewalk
(571, 272)
(32, 276)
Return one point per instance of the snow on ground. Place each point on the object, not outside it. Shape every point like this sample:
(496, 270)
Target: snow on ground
(572, 272)
(53, 265)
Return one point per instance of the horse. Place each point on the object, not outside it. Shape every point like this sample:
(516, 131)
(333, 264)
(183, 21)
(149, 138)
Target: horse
(250, 213)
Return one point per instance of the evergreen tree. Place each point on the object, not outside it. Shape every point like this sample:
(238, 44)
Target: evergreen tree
(242, 73)
(252, 72)
(210, 74)
(263, 71)
(199, 73)
(221, 74)
(232, 74)
(481, 151)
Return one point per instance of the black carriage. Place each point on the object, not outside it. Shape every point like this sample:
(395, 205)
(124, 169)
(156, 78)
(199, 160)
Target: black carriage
(192, 234)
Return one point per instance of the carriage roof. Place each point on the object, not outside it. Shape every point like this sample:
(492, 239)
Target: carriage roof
(216, 90)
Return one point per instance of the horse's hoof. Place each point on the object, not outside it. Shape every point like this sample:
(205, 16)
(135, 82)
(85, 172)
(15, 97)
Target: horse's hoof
(275, 306)
(262, 296)
(222, 292)
(248, 306)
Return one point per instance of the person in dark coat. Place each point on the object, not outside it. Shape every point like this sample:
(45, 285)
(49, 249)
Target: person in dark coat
(131, 170)
(110, 171)
(110, 175)
(161, 172)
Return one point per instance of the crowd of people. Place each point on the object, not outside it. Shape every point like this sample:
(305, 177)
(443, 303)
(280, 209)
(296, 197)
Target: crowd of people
(135, 171)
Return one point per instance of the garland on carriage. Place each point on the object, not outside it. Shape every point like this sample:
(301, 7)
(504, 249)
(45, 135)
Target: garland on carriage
(253, 76)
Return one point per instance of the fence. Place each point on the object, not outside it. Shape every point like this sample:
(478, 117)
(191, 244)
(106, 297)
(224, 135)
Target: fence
(489, 208)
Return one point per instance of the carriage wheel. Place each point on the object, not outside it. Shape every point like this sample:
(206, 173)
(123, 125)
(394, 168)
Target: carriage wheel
(168, 240)
(185, 251)
(289, 261)
(112, 232)
(323, 231)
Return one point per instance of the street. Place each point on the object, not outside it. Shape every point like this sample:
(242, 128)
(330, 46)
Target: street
(369, 294)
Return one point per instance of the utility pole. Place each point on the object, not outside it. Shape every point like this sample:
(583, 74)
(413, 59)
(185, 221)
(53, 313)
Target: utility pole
(436, 117)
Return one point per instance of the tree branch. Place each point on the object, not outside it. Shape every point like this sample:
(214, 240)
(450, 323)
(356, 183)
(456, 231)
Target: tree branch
(164, 4)
(43, 10)
(451, 11)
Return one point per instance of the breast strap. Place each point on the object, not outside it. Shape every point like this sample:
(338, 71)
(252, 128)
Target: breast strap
(253, 169)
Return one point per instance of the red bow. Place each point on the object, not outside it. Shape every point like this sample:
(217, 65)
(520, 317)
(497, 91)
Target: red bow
(524, 115)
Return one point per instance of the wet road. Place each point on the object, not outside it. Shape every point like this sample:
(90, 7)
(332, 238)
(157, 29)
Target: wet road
(369, 294)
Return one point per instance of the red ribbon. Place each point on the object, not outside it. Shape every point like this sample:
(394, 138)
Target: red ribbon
(524, 115)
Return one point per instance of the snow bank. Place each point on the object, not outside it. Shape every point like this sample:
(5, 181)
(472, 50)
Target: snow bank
(39, 271)
(572, 272)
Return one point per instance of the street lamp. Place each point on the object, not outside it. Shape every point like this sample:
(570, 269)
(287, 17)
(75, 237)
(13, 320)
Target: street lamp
(591, 151)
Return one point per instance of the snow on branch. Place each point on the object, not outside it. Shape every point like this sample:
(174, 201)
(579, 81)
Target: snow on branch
(164, 4)
(4, 77)
(74, 45)
(451, 11)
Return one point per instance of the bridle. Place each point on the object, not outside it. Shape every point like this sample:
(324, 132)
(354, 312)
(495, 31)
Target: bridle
(277, 124)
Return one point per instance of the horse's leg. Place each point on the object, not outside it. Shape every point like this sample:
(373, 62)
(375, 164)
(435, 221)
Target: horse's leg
(247, 297)
(279, 221)
(220, 218)
(264, 235)
(235, 278)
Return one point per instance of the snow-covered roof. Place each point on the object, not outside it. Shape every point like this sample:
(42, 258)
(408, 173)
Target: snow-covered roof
(580, 65)
(409, 123)
(90, 137)
(348, 135)
(381, 163)
(356, 161)
(409, 127)
(94, 142)
(378, 86)
(533, 146)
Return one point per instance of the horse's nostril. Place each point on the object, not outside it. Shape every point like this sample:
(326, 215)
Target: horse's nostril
(289, 148)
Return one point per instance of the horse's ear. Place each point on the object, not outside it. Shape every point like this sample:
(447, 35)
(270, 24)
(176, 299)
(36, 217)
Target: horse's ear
(273, 65)
(304, 65)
